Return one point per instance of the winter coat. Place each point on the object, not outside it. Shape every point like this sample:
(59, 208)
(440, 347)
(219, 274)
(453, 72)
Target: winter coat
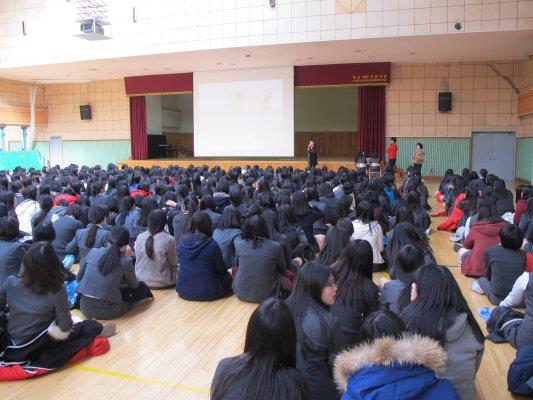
(464, 356)
(161, 270)
(521, 371)
(203, 275)
(394, 369)
(319, 339)
(25, 212)
(373, 234)
(481, 236)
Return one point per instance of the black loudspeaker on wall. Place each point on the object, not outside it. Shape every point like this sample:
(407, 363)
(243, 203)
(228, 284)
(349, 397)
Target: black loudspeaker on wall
(445, 101)
(85, 112)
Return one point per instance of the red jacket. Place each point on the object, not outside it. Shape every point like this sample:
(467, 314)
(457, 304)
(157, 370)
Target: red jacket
(529, 263)
(139, 192)
(65, 197)
(520, 208)
(482, 235)
(452, 222)
(392, 151)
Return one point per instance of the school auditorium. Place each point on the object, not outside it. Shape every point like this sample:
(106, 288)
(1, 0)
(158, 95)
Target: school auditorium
(266, 199)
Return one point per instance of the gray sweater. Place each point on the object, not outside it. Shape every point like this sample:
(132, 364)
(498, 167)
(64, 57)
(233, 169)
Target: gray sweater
(12, 253)
(161, 270)
(504, 266)
(259, 270)
(226, 241)
(31, 313)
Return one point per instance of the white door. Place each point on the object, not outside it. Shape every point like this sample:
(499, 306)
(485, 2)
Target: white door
(56, 151)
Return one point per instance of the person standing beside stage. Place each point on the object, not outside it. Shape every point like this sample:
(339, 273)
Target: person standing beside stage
(392, 152)
(418, 159)
(312, 155)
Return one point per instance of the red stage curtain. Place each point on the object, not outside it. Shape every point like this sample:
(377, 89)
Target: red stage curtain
(139, 141)
(371, 120)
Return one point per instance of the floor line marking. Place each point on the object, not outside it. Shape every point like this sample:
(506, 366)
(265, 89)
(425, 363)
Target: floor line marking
(136, 378)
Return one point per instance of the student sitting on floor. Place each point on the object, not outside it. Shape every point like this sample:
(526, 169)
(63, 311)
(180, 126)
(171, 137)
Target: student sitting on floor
(367, 229)
(319, 331)
(357, 296)
(40, 332)
(482, 235)
(504, 263)
(94, 236)
(262, 271)
(27, 209)
(229, 229)
(526, 225)
(455, 213)
(203, 275)
(407, 261)
(11, 250)
(336, 240)
(156, 261)
(66, 228)
(516, 328)
(267, 368)
(392, 364)
(101, 276)
(438, 309)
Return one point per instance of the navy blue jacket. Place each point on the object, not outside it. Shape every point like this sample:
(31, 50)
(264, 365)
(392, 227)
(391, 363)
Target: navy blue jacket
(520, 375)
(203, 275)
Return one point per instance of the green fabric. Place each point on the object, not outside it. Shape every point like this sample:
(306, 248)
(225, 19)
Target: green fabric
(441, 154)
(88, 152)
(26, 159)
(524, 159)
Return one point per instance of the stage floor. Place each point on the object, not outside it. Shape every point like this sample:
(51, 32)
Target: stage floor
(227, 162)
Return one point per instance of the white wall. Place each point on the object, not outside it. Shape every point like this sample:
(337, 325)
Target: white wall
(187, 25)
(183, 103)
(154, 120)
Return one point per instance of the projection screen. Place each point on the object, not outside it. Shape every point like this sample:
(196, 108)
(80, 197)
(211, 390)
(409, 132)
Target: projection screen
(244, 113)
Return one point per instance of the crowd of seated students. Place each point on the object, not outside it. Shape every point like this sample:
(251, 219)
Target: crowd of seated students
(310, 239)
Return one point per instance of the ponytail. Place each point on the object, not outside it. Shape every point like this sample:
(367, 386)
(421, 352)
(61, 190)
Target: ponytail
(109, 260)
(91, 235)
(149, 247)
(118, 237)
(156, 224)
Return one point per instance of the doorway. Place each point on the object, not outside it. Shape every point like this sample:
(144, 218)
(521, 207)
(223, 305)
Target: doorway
(56, 150)
(496, 152)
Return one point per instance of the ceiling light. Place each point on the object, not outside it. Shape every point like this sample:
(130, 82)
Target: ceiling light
(247, 55)
(93, 69)
(412, 53)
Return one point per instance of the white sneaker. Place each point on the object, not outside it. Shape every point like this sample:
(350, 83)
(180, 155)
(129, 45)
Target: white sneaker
(474, 286)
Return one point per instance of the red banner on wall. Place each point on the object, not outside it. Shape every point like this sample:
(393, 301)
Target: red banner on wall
(156, 84)
(342, 74)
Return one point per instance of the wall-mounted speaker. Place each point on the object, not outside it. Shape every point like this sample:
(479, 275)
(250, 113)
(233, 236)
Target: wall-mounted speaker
(85, 112)
(445, 101)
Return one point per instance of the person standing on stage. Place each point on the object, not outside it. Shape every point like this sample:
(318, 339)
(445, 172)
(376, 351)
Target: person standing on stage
(312, 155)
(418, 159)
(392, 152)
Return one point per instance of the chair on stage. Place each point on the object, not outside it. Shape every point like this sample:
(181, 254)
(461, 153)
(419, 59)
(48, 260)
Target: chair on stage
(374, 171)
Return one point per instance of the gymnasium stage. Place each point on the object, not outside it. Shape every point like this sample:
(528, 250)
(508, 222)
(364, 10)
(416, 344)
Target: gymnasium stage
(226, 162)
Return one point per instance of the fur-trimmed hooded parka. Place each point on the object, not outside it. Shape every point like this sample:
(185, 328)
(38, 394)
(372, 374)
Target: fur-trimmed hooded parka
(389, 368)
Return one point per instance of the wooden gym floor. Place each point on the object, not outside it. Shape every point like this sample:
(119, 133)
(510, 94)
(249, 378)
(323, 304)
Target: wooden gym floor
(169, 348)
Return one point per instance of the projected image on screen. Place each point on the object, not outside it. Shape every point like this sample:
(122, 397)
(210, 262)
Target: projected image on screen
(243, 118)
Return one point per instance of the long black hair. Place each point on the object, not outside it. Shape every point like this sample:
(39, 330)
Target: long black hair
(300, 204)
(97, 216)
(334, 243)
(307, 292)
(438, 302)
(156, 224)
(118, 238)
(355, 264)
(42, 271)
(383, 323)
(231, 219)
(148, 205)
(45, 203)
(267, 369)
(255, 229)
